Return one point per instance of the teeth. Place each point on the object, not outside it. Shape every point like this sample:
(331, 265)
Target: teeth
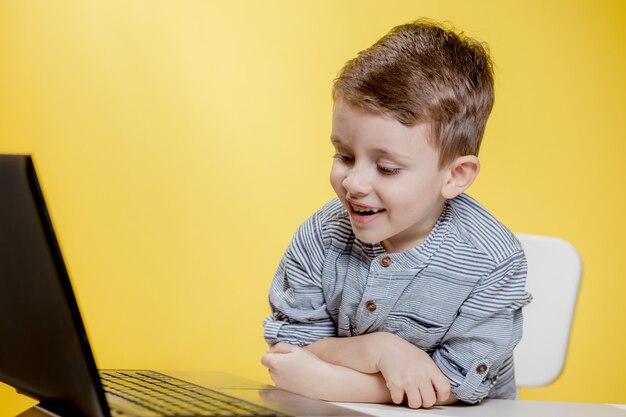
(362, 210)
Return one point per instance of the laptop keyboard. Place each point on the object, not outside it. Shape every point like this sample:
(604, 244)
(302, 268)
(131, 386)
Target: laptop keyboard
(150, 393)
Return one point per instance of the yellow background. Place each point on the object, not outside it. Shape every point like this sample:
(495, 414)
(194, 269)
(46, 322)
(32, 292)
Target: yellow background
(181, 143)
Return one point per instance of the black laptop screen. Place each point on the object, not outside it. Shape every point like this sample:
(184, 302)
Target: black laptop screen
(44, 352)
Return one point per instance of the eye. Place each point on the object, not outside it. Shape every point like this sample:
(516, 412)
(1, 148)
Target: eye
(346, 159)
(385, 170)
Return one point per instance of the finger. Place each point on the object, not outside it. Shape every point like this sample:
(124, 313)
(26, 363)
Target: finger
(413, 398)
(442, 388)
(267, 360)
(281, 347)
(427, 393)
(396, 393)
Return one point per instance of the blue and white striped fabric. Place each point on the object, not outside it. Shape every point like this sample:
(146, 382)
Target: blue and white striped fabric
(458, 295)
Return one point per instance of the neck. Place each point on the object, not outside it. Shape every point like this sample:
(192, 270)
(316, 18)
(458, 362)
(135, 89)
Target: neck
(416, 234)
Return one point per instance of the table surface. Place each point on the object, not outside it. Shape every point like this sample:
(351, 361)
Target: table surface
(498, 408)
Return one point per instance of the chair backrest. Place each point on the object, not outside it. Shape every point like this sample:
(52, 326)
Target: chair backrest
(554, 270)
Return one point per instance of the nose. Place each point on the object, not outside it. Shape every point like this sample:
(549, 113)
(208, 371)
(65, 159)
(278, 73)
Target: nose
(356, 182)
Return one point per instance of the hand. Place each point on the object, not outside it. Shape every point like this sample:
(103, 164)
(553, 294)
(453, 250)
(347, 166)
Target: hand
(410, 372)
(297, 370)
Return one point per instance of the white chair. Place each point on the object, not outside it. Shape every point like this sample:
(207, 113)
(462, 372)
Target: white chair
(554, 270)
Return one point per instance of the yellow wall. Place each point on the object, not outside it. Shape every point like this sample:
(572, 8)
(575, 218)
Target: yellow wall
(181, 143)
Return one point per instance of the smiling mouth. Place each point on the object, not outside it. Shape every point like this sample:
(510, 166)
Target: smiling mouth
(362, 211)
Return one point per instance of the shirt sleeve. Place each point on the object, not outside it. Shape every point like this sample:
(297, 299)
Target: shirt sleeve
(478, 347)
(299, 314)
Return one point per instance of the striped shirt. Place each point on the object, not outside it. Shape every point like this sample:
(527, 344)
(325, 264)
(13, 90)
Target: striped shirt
(458, 295)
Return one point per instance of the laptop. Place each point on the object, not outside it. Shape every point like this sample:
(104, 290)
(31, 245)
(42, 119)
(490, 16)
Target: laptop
(44, 350)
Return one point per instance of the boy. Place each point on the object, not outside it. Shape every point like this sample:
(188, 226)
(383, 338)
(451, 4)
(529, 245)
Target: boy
(402, 288)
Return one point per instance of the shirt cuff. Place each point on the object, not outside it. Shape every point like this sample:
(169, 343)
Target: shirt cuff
(271, 329)
(471, 387)
(476, 384)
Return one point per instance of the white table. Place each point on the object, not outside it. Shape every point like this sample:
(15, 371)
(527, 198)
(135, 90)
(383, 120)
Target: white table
(498, 408)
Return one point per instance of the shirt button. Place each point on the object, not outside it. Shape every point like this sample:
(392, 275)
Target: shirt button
(481, 369)
(370, 306)
(385, 261)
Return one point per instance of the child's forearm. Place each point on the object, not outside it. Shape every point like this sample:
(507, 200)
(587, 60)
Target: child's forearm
(294, 369)
(408, 372)
(298, 370)
(353, 386)
(360, 353)
(348, 385)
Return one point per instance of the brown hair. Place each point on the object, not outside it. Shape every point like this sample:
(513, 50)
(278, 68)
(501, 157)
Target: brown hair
(424, 72)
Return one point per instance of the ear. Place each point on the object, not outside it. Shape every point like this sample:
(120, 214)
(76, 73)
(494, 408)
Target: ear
(460, 174)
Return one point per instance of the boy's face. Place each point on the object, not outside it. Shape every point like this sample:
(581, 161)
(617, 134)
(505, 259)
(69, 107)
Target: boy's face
(386, 175)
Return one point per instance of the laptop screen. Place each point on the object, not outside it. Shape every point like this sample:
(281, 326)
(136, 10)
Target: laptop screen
(44, 351)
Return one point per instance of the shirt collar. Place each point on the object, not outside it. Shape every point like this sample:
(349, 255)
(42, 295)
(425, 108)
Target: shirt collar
(419, 255)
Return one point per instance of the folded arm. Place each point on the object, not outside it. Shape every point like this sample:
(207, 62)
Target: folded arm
(409, 373)
(297, 370)
(349, 369)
